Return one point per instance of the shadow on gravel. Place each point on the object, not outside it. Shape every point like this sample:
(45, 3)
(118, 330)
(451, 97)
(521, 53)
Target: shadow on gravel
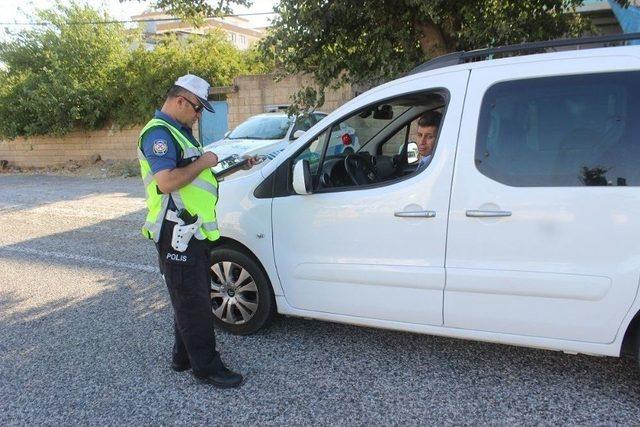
(104, 359)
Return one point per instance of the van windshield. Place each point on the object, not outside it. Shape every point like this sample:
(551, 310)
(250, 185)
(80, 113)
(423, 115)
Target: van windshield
(262, 127)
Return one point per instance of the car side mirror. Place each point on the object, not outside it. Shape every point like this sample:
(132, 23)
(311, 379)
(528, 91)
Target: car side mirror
(226, 134)
(302, 177)
(297, 134)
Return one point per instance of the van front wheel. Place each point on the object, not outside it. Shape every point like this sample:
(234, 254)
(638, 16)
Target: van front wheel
(241, 296)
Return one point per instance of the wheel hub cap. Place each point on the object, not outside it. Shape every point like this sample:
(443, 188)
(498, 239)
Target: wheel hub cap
(234, 294)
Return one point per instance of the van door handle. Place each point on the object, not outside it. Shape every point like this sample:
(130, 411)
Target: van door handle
(487, 214)
(416, 214)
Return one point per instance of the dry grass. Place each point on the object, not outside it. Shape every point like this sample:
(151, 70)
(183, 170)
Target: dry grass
(99, 169)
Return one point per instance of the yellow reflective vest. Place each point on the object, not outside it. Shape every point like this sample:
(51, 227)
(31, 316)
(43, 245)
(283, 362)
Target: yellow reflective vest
(198, 197)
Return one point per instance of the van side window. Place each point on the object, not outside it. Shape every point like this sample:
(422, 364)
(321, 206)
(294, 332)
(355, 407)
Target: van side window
(371, 146)
(562, 131)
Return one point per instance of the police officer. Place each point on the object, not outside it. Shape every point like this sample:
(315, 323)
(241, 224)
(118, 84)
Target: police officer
(179, 184)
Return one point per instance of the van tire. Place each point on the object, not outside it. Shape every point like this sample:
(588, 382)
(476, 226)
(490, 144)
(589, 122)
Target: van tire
(244, 306)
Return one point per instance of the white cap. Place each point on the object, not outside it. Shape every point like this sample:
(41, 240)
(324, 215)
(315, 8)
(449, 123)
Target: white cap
(197, 86)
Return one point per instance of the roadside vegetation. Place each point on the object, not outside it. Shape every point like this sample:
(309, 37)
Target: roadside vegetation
(382, 39)
(69, 75)
(368, 42)
(72, 74)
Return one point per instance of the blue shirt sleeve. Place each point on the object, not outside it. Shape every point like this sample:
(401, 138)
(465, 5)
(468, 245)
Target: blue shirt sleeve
(159, 148)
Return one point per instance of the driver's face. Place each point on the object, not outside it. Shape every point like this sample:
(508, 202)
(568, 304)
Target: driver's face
(426, 139)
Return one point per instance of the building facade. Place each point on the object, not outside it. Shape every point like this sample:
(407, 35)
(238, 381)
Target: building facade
(610, 18)
(236, 28)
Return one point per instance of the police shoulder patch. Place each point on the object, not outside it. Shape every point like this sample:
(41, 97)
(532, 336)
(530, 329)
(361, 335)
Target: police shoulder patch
(160, 147)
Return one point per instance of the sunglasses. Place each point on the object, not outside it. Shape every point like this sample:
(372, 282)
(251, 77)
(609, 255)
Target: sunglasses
(196, 107)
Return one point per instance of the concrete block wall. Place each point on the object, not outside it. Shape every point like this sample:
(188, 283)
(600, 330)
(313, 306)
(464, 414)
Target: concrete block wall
(257, 91)
(44, 151)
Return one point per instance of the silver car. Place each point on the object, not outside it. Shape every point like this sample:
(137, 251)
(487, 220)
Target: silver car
(264, 134)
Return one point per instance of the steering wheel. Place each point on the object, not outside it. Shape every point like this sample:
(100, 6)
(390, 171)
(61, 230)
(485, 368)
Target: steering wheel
(359, 170)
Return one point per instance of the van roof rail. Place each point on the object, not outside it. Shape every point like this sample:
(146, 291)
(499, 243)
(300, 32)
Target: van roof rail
(463, 57)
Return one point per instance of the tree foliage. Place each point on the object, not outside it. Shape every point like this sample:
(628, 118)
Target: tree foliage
(149, 73)
(379, 39)
(70, 74)
(55, 76)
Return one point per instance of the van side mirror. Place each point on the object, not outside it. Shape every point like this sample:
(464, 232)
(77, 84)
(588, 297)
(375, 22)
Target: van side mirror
(297, 134)
(302, 183)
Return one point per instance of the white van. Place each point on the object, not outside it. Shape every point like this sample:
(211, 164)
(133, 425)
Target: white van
(524, 229)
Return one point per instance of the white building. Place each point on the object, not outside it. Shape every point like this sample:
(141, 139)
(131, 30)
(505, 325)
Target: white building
(236, 28)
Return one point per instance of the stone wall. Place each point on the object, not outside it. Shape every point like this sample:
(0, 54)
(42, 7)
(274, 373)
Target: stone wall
(257, 92)
(44, 151)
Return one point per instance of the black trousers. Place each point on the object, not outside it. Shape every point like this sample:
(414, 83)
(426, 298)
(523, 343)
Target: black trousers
(187, 277)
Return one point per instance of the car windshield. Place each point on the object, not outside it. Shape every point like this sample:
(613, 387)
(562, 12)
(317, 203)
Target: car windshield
(262, 127)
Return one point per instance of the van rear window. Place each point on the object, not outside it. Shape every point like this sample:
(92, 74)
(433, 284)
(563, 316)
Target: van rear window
(562, 131)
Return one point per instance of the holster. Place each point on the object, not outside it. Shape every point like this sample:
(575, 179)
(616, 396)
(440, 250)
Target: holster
(182, 233)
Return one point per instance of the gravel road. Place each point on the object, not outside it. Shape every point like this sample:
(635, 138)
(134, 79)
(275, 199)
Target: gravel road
(86, 332)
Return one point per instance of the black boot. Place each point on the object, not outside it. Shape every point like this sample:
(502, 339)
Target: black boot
(221, 378)
(180, 366)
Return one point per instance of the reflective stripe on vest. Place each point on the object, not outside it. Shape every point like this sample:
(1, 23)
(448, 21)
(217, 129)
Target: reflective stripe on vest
(198, 197)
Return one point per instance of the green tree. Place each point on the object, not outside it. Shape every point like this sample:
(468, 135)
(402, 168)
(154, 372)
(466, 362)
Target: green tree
(380, 39)
(79, 73)
(149, 73)
(56, 76)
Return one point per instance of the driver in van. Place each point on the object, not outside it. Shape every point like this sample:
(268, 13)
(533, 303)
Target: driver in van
(428, 125)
